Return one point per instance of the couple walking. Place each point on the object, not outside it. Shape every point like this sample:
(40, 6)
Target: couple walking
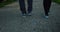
(46, 4)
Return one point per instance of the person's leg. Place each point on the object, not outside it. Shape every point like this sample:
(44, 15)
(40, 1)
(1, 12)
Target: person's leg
(46, 4)
(1, 1)
(29, 5)
(22, 6)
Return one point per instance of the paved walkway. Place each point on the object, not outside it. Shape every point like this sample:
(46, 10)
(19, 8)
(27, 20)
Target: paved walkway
(12, 21)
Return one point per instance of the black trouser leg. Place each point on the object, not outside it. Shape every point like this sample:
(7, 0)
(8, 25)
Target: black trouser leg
(46, 4)
(22, 6)
(29, 5)
(1, 1)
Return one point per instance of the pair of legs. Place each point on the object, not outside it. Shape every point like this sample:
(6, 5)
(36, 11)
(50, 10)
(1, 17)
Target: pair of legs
(23, 8)
(46, 4)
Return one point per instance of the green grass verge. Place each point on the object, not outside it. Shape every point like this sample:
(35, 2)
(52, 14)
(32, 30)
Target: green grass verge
(6, 2)
(57, 1)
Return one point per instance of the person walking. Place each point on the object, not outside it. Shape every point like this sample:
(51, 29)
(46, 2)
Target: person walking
(23, 8)
(47, 5)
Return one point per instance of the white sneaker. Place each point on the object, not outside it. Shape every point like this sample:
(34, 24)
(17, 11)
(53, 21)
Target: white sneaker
(29, 14)
(23, 15)
(46, 17)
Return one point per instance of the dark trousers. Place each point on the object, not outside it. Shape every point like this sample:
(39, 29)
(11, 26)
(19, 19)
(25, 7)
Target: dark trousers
(46, 4)
(22, 6)
(1, 1)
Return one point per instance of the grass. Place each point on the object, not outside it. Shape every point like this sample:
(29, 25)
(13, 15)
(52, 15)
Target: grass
(6, 2)
(57, 1)
(11, 1)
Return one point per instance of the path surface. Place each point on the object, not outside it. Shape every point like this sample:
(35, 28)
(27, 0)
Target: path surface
(12, 21)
